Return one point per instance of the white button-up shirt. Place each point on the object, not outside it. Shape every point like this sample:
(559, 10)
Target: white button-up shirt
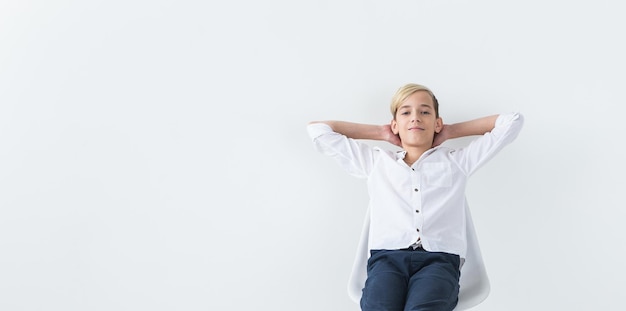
(425, 201)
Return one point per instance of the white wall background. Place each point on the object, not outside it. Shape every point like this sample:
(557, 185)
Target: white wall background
(154, 156)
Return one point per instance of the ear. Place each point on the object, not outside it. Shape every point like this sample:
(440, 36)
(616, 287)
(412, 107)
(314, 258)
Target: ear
(394, 126)
(438, 125)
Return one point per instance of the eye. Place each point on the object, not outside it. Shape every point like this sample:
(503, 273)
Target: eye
(404, 113)
(425, 112)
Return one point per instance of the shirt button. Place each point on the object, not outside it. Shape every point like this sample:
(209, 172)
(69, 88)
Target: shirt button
(417, 211)
(418, 229)
(415, 190)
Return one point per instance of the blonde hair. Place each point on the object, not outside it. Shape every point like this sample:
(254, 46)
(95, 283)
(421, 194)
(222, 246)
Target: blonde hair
(405, 91)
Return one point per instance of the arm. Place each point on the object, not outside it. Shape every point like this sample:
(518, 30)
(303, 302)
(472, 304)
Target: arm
(478, 126)
(493, 137)
(331, 139)
(363, 131)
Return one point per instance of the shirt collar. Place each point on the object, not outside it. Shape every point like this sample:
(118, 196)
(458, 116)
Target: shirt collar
(402, 153)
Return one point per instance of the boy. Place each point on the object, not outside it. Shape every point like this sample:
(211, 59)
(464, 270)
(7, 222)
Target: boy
(417, 234)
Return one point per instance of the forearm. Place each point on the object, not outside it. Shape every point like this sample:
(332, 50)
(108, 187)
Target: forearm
(356, 130)
(478, 126)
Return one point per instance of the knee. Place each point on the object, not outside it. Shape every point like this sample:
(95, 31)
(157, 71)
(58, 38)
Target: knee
(384, 291)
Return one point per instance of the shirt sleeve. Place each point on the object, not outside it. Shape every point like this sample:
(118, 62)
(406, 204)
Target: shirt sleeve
(481, 150)
(355, 157)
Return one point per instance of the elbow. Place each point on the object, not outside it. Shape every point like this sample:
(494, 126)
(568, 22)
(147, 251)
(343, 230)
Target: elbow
(519, 119)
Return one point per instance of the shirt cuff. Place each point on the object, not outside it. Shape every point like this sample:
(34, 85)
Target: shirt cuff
(318, 129)
(507, 118)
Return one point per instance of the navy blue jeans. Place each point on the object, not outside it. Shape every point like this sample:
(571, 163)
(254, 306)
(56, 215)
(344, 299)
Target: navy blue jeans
(403, 280)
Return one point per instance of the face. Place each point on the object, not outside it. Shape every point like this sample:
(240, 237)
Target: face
(416, 121)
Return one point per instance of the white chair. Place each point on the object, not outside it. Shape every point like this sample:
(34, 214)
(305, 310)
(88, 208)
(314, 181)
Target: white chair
(474, 283)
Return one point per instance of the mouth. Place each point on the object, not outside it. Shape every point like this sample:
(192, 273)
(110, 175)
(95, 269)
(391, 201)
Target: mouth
(416, 128)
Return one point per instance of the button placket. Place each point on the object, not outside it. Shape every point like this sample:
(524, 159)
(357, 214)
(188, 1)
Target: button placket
(416, 199)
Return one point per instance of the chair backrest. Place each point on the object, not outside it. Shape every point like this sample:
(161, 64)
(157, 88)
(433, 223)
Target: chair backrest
(474, 282)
